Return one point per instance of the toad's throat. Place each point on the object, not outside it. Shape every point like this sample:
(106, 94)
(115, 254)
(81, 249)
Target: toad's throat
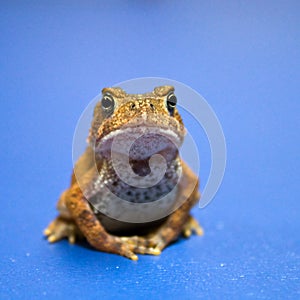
(135, 194)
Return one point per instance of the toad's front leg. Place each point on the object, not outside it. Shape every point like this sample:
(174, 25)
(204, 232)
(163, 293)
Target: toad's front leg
(95, 233)
(90, 226)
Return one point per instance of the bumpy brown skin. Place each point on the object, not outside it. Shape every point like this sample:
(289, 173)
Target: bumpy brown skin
(77, 218)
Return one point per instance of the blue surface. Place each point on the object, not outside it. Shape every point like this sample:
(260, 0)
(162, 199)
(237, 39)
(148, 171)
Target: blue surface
(243, 57)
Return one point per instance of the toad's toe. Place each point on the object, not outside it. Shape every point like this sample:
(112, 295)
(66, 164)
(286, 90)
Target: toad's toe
(61, 228)
(192, 226)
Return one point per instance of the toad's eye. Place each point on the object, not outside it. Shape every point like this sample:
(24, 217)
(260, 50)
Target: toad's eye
(108, 103)
(171, 103)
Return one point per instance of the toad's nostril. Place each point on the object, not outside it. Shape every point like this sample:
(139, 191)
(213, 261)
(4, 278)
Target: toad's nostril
(151, 105)
(132, 106)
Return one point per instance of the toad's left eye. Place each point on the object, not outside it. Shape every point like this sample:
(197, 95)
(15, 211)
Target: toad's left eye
(107, 102)
(171, 103)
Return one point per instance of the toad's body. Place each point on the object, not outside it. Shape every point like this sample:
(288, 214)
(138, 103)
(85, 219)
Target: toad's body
(116, 191)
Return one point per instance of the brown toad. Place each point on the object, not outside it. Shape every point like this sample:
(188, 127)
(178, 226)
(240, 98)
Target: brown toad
(136, 209)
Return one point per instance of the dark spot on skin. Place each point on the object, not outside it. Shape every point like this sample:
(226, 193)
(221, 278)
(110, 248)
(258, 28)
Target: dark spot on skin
(84, 213)
(168, 175)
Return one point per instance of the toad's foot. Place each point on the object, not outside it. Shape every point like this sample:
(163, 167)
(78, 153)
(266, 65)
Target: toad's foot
(192, 226)
(62, 228)
(138, 245)
(151, 244)
(155, 243)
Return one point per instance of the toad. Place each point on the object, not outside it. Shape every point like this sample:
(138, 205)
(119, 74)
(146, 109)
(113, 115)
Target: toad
(132, 196)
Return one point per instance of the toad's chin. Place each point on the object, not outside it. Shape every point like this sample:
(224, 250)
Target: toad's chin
(139, 143)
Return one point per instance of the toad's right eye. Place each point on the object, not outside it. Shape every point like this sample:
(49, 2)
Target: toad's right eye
(108, 103)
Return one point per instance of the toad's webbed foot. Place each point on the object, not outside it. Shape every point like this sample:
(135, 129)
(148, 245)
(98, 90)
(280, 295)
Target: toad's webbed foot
(138, 245)
(156, 242)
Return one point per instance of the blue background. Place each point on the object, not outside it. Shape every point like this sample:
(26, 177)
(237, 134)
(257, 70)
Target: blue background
(243, 57)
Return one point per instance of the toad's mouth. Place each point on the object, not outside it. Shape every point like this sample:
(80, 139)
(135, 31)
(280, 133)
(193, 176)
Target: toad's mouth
(139, 143)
